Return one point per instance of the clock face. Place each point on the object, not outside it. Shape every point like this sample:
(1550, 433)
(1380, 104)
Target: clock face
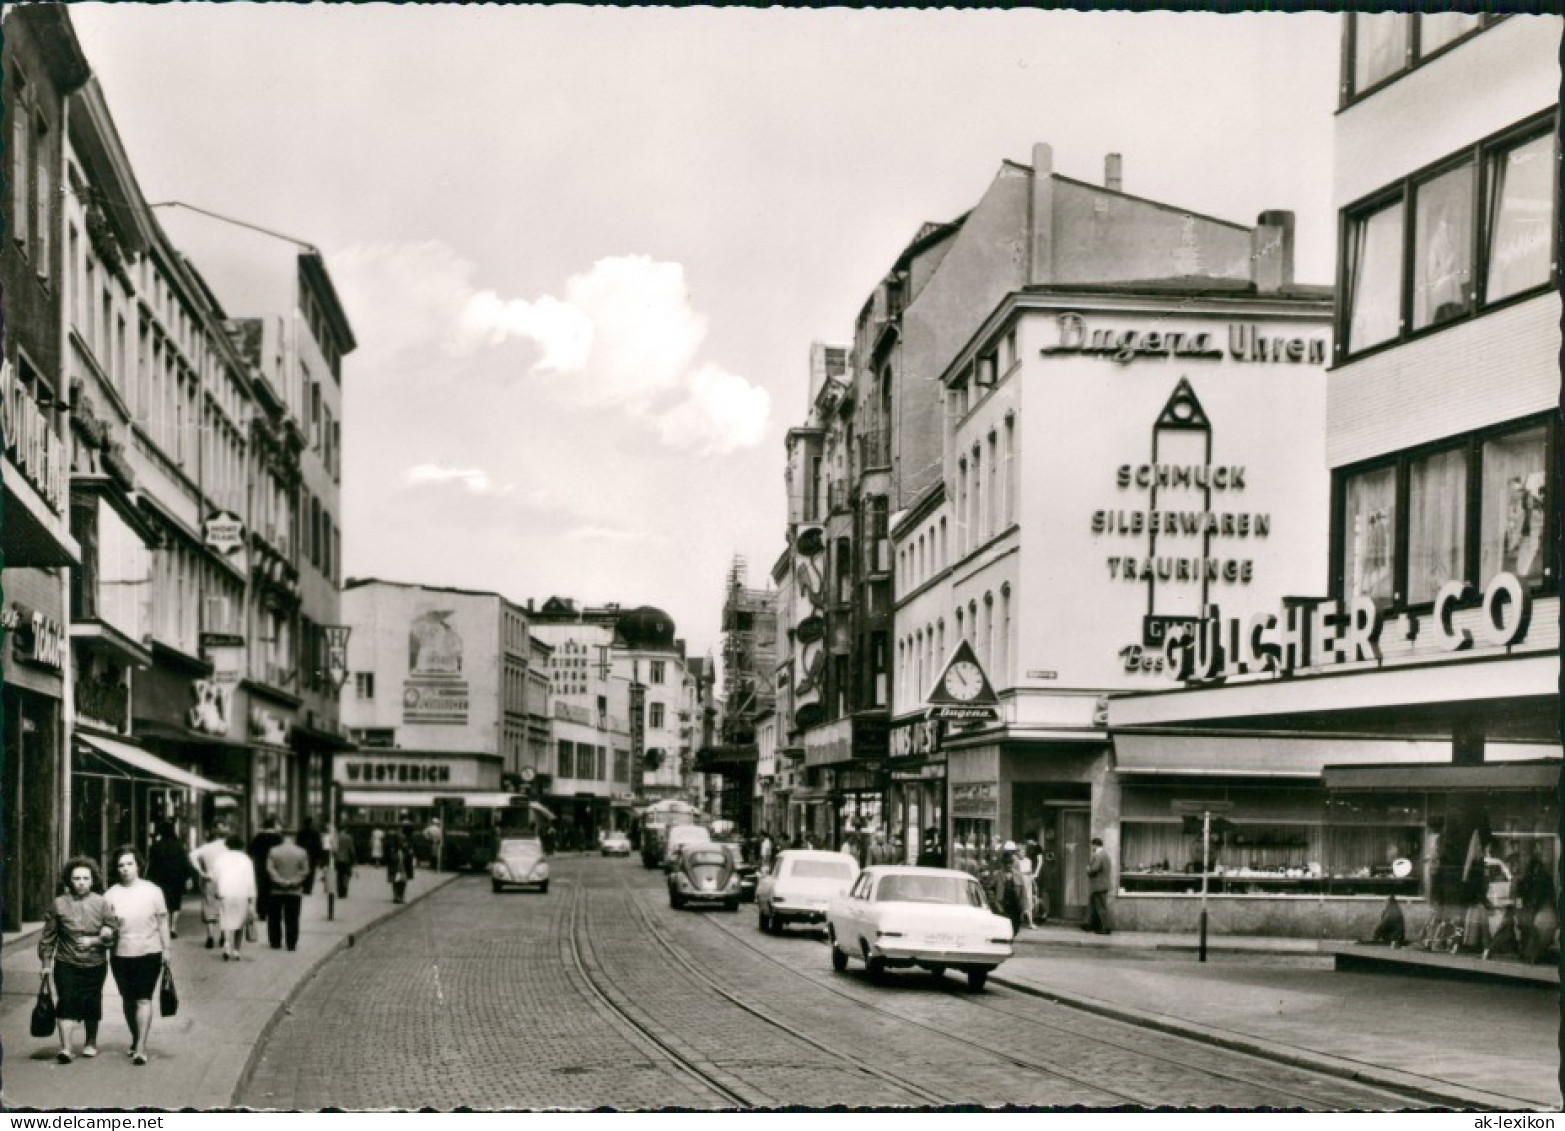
(964, 680)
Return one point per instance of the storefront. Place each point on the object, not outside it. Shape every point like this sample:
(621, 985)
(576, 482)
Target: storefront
(916, 789)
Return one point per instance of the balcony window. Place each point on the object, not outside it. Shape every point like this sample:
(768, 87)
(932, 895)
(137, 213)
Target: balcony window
(1443, 248)
(1520, 229)
(1371, 519)
(1437, 523)
(1374, 277)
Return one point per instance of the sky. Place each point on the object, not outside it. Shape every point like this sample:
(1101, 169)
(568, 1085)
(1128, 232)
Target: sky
(585, 250)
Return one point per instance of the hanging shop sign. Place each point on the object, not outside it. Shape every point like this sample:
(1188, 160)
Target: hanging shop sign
(224, 532)
(1245, 343)
(267, 727)
(1312, 633)
(30, 443)
(963, 693)
(36, 638)
(337, 653)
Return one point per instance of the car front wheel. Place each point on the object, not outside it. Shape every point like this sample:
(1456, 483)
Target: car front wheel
(875, 966)
(498, 886)
(839, 960)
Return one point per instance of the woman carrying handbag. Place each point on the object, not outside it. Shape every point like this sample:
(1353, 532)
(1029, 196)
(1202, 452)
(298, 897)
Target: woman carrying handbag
(141, 947)
(78, 929)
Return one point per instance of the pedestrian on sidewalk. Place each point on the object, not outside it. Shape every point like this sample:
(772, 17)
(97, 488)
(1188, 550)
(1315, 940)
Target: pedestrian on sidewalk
(342, 859)
(377, 846)
(234, 891)
(201, 860)
(310, 840)
(168, 866)
(399, 862)
(1100, 881)
(260, 847)
(1024, 887)
(288, 867)
(141, 945)
(77, 930)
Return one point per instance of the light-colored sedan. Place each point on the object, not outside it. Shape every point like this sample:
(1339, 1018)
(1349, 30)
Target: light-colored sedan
(800, 886)
(897, 916)
(520, 862)
(615, 844)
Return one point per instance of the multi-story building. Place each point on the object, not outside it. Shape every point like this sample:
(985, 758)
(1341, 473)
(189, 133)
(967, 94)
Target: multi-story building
(43, 66)
(288, 321)
(446, 699)
(749, 669)
(1418, 712)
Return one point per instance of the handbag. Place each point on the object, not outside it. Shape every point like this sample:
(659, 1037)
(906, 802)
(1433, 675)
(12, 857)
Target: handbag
(168, 996)
(43, 1011)
(250, 926)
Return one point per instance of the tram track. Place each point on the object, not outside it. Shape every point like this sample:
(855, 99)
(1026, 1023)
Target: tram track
(1287, 1096)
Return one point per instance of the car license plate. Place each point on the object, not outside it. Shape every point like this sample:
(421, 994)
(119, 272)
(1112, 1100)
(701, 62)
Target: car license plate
(939, 940)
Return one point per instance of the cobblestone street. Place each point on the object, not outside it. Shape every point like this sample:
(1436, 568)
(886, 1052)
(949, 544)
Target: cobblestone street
(598, 995)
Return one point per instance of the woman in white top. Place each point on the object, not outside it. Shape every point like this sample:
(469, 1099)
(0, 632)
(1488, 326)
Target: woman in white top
(141, 948)
(233, 882)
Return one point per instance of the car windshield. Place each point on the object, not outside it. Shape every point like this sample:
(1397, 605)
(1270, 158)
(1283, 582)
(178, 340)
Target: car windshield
(959, 890)
(519, 847)
(820, 870)
(706, 855)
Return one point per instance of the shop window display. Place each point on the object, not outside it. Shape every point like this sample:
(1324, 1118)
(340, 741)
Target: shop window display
(1371, 532)
(1513, 505)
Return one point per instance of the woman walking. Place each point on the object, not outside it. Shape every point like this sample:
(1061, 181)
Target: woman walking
(77, 930)
(141, 947)
(233, 883)
(168, 866)
(399, 862)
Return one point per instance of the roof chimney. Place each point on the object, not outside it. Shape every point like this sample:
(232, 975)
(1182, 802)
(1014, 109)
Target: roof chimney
(1114, 172)
(1271, 252)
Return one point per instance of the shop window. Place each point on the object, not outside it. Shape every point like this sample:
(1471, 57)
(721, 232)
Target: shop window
(1512, 502)
(567, 759)
(1521, 217)
(1374, 277)
(1443, 247)
(1437, 523)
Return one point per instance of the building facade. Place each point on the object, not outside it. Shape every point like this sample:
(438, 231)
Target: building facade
(1415, 700)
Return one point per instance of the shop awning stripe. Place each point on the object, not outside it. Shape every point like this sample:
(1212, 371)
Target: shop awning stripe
(138, 759)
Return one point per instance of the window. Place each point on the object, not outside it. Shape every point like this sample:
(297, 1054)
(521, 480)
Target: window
(1374, 277)
(658, 671)
(1442, 247)
(1401, 277)
(1474, 507)
(566, 759)
(655, 716)
(1371, 521)
(364, 685)
(1511, 538)
(1384, 45)
(1520, 227)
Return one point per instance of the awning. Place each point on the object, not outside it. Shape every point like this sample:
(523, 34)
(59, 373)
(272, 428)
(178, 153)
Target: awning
(387, 799)
(148, 763)
(541, 810)
(1542, 775)
(1242, 755)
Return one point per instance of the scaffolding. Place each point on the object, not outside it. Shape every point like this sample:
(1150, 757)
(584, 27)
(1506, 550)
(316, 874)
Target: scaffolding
(749, 655)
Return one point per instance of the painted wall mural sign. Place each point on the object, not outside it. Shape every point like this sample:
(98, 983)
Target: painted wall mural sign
(36, 637)
(1245, 343)
(436, 691)
(1311, 632)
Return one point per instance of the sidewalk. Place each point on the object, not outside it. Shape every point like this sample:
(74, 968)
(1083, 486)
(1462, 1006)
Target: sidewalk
(199, 1055)
(1462, 1044)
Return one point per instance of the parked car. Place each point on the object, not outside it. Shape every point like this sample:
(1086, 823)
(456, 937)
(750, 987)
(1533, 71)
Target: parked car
(615, 844)
(744, 860)
(800, 886)
(935, 918)
(705, 873)
(678, 837)
(520, 862)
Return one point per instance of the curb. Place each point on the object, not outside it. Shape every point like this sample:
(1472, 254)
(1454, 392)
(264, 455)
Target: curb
(285, 1006)
(1450, 1096)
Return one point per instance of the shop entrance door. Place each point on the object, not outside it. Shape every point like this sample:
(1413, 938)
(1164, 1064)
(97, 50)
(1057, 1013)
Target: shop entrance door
(1075, 848)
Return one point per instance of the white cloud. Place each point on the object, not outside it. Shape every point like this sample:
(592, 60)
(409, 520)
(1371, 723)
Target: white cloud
(475, 480)
(722, 412)
(624, 337)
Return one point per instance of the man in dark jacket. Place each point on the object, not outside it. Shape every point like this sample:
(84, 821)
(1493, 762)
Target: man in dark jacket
(1100, 881)
(309, 839)
(344, 855)
(267, 839)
